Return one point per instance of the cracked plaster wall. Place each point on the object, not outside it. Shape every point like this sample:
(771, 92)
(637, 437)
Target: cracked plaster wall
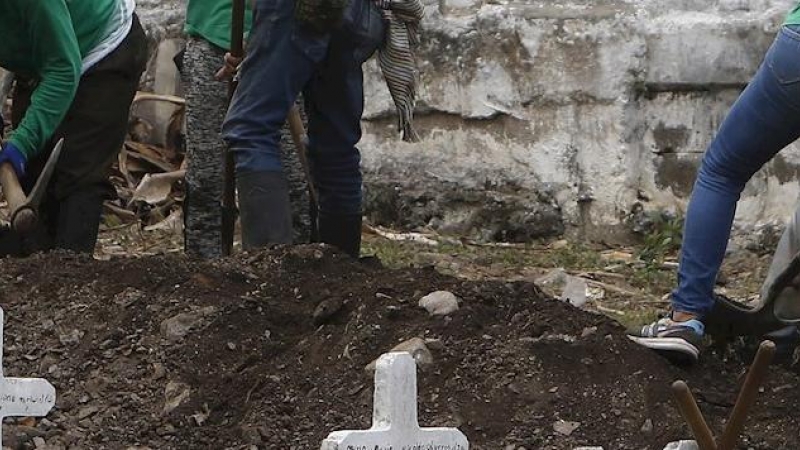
(539, 118)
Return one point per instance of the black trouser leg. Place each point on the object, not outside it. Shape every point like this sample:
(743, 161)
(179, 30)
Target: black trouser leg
(341, 231)
(78, 221)
(264, 209)
(94, 131)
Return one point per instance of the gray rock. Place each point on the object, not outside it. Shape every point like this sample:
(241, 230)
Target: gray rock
(553, 282)
(439, 303)
(416, 347)
(682, 445)
(175, 394)
(48, 325)
(178, 326)
(71, 338)
(565, 428)
(87, 411)
(326, 310)
(159, 371)
(575, 291)
(647, 427)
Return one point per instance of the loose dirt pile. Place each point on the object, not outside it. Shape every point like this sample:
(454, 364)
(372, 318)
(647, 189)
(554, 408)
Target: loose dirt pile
(168, 353)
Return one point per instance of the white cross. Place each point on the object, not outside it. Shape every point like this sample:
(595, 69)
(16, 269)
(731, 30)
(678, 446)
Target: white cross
(27, 397)
(394, 416)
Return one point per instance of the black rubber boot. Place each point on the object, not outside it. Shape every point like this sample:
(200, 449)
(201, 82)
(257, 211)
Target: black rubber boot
(341, 231)
(78, 222)
(264, 209)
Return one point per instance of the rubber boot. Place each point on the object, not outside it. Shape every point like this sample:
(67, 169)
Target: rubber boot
(78, 222)
(341, 231)
(264, 209)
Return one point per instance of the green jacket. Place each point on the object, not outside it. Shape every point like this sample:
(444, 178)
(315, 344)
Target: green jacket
(794, 16)
(47, 40)
(211, 20)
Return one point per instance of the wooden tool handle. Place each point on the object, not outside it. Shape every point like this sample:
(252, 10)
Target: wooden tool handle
(755, 376)
(12, 190)
(229, 170)
(298, 132)
(23, 218)
(237, 28)
(691, 413)
(237, 39)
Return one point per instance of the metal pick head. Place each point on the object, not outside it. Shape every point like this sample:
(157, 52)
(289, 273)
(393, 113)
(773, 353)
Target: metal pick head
(36, 196)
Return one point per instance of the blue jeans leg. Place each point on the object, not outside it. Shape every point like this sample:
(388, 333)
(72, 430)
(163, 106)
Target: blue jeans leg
(764, 120)
(284, 59)
(335, 103)
(280, 60)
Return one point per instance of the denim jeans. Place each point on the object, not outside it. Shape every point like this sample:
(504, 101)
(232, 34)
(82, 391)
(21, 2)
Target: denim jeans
(764, 120)
(284, 59)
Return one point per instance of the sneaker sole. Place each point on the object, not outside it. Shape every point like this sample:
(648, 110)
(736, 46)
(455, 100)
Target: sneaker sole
(674, 349)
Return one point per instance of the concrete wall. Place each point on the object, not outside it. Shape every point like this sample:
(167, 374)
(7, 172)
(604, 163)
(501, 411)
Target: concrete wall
(539, 118)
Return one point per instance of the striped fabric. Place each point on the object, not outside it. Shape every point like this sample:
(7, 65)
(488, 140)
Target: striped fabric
(397, 62)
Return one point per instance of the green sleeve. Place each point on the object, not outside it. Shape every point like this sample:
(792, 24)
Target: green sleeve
(794, 16)
(58, 62)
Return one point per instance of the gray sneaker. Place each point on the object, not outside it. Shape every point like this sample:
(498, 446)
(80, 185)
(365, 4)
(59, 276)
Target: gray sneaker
(676, 341)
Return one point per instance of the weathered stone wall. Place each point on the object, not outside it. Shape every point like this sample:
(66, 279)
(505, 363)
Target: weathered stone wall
(540, 116)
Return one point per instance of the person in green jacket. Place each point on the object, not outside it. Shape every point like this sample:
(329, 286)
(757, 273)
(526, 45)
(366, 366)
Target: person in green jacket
(208, 30)
(77, 65)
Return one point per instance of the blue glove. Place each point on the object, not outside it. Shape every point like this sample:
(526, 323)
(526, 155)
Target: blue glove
(13, 156)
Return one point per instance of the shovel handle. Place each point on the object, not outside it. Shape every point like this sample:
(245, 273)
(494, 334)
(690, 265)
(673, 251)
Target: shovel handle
(747, 396)
(297, 131)
(692, 415)
(12, 190)
(23, 218)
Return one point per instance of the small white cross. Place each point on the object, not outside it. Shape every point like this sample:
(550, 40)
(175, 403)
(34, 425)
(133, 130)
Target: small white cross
(26, 397)
(394, 417)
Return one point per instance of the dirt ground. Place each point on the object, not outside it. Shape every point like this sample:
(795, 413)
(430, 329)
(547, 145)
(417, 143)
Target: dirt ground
(162, 352)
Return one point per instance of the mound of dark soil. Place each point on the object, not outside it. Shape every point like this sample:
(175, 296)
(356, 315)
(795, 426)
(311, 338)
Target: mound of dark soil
(169, 353)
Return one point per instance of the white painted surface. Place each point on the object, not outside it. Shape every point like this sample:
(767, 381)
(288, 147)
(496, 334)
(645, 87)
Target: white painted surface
(682, 445)
(26, 397)
(394, 421)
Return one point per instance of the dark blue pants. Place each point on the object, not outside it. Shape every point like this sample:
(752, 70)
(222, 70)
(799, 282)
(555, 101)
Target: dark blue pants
(764, 120)
(284, 59)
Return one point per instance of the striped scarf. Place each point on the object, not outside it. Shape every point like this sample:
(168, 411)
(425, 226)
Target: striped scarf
(396, 59)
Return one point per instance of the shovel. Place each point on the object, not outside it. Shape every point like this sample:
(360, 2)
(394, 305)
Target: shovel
(779, 305)
(24, 209)
(729, 318)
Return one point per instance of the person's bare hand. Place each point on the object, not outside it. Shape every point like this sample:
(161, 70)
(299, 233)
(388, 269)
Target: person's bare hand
(229, 69)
